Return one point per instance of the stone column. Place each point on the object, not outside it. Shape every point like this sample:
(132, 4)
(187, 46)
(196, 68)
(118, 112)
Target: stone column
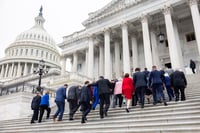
(178, 43)
(2, 70)
(155, 55)
(63, 68)
(15, 70)
(173, 50)
(25, 69)
(90, 57)
(32, 67)
(19, 69)
(146, 42)
(117, 59)
(107, 72)
(12, 70)
(134, 52)
(75, 60)
(196, 20)
(6, 72)
(101, 62)
(86, 62)
(126, 50)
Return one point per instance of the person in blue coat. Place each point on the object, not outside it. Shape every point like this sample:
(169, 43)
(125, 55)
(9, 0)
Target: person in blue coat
(96, 97)
(168, 87)
(44, 105)
(60, 102)
(156, 81)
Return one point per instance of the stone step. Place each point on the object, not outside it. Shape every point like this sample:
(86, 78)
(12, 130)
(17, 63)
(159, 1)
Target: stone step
(148, 108)
(108, 127)
(121, 114)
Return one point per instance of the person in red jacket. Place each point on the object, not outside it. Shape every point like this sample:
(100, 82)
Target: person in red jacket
(127, 90)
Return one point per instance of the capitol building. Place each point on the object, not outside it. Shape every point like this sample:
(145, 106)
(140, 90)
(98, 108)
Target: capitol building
(122, 35)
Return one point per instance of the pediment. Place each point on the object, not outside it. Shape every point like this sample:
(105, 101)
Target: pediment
(111, 8)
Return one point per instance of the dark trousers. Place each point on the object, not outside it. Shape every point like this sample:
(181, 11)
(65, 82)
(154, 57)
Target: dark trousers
(119, 98)
(157, 90)
(193, 70)
(35, 115)
(60, 110)
(73, 107)
(177, 91)
(170, 92)
(42, 108)
(85, 108)
(140, 92)
(104, 99)
(134, 99)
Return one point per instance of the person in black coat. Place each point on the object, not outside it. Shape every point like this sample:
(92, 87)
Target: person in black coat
(85, 101)
(104, 95)
(156, 81)
(192, 66)
(35, 105)
(73, 99)
(179, 83)
(140, 81)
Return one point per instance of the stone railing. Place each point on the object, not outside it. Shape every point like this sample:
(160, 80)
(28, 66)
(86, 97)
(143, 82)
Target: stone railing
(69, 77)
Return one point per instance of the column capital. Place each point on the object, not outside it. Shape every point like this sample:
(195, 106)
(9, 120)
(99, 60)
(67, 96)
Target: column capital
(63, 56)
(106, 30)
(90, 35)
(166, 9)
(143, 18)
(124, 24)
(193, 2)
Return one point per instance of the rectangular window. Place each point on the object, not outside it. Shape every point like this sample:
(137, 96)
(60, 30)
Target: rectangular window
(190, 37)
(166, 43)
(36, 52)
(26, 51)
(31, 51)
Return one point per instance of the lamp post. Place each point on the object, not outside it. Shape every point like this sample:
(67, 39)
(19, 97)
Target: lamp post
(41, 67)
(161, 37)
(40, 71)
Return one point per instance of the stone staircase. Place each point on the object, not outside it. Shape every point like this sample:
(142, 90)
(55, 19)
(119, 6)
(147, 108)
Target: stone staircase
(177, 117)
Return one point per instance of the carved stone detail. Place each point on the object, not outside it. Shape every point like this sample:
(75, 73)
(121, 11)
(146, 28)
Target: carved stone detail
(167, 9)
(193, 2)
(143, 18)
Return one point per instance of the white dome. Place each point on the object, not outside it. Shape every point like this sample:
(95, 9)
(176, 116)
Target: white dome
(36, 33)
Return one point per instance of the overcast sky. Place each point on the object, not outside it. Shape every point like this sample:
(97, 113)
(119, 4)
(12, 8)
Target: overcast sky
(63, 17)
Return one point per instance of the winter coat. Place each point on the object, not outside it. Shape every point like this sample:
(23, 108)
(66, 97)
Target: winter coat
(140, 79)
(85, 95)
(178, 79)
(127, 84)
(103, 86)
(35, 104)
(156, 77)
(167, 81)
(192, 64)
(74, 93)
(61, 94)
(45, 100)
(118, 88)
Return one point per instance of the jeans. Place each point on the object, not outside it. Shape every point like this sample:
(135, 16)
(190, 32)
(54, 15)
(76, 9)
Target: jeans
(158, 93)
(60, 110)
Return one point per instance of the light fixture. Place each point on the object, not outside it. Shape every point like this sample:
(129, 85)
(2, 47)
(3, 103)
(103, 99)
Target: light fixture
(161, 35)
